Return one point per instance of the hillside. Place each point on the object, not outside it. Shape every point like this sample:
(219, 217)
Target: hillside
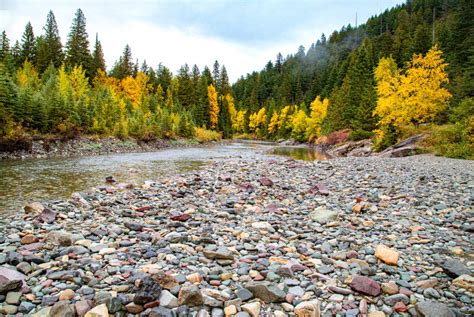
(420, 50)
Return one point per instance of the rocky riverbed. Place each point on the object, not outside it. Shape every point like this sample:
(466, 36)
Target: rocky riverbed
(345, 237)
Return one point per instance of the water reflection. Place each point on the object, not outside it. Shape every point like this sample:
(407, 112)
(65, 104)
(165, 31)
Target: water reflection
(52, 179)
(301, 153)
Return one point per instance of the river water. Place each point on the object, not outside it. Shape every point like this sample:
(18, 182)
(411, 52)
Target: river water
(23, 181)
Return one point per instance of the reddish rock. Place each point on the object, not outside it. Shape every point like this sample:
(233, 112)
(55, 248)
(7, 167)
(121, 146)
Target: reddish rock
(365, 285)
(29, 239)
(144, 208)
(180, 217)
(352, 254)
(265, 181)
(400, 307)
(152, 304)
(405, 291)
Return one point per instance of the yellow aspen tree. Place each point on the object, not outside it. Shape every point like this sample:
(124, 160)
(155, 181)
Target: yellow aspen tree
(131, 91)
(298, 123)
(422, 86)
(213, 105)
(27, 76)
(257, 119)
(79, 82)
(273, 125)
(414, 97)
(231, 106)
(238, 124)
(319, 110)
(64, 86)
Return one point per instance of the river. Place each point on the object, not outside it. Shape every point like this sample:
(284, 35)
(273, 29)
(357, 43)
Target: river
(23, 181)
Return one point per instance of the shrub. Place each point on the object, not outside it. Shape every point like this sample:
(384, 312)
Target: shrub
(453, 140)
(202, 135)
(385, 137)
(335, 137)
(359, 134)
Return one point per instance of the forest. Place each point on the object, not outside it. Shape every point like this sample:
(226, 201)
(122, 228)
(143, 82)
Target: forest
(405, 71)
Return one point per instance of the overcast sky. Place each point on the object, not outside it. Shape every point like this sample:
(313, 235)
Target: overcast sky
(241, 34)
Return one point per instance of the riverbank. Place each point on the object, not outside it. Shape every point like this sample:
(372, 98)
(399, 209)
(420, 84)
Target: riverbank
(87, 146)
(370, 236)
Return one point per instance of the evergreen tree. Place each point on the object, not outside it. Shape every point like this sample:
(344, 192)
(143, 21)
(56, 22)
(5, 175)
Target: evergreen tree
(16, 54)
(98, 62)
(77, 46)
(207, 73)
(49, 45)
(354, 101)
(216, 76)
(224, 82)
(4, 47)
(422, 40)
(7, 101)
(185, 87)
(28, 45)
(164, 77)
(124, 66)
(224, 122)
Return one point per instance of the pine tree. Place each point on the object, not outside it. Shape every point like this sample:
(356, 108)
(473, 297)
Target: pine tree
(77, 46)
(216, 76)
(98, 62)
(7, 101)
(354, 101)
(164, 77)
(4, 47)
(28, 45)
(224, 82)
(16, 54)
(49, 45)
(124, 66)
(185, 87)
(202, 110)
(224, 122)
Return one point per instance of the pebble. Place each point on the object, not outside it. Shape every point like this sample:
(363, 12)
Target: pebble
(201, 244)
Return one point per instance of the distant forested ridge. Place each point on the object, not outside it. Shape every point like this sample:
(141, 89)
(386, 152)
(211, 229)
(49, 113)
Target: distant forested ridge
(408, 68)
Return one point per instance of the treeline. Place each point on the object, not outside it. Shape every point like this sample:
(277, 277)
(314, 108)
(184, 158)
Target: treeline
(406, 69)
(341, 69)
(46, 88)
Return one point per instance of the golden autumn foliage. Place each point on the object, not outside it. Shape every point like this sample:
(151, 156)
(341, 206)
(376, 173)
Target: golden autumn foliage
(213, 105)
(204, 135)
(79, 82)
(319, 110)
(257, 120)
(414, 96)
(283, 121)
(299, 124)
(273, 125)
(27, 75)
(135, 88)
(239, 124)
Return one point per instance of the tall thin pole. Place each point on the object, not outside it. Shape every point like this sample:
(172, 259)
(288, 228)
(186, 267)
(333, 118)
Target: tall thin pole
(434, 18)
(357, 32)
